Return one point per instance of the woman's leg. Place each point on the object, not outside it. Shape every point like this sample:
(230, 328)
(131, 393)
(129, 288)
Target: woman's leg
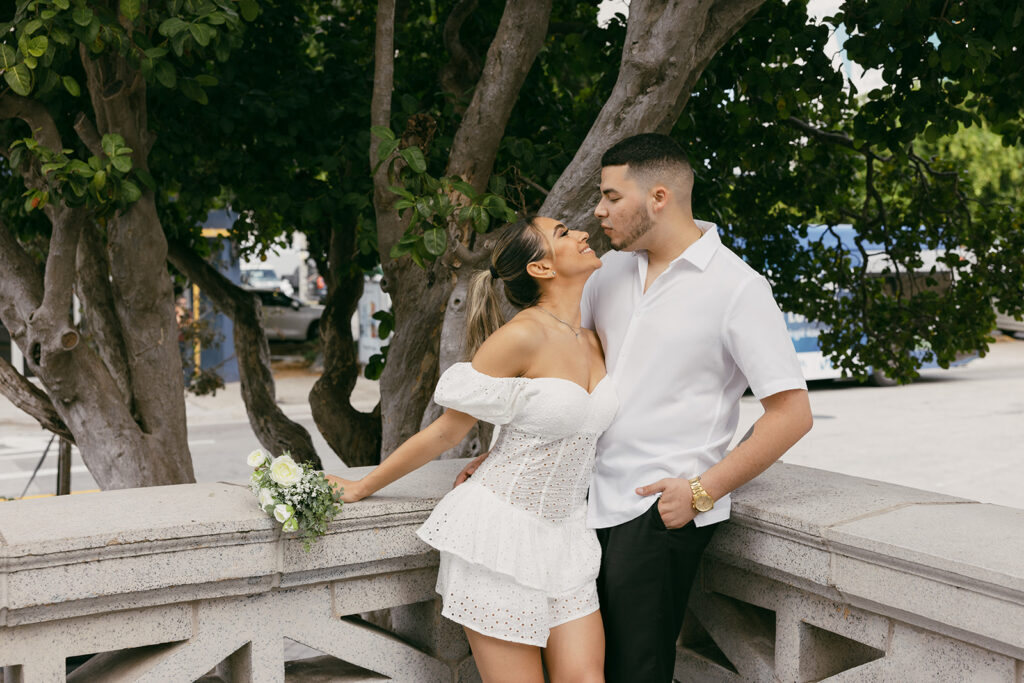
(575, 651)
(499, 661)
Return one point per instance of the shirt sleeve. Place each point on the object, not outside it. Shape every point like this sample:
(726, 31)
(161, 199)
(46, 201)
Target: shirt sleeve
(755, 335)
(491, 399)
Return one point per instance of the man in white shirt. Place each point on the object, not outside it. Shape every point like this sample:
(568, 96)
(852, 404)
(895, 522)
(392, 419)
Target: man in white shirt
(686, 326)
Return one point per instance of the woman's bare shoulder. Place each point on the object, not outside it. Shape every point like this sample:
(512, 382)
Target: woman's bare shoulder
(508, 352)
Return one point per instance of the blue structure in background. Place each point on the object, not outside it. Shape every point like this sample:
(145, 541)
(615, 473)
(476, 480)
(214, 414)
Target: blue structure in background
(220, 356)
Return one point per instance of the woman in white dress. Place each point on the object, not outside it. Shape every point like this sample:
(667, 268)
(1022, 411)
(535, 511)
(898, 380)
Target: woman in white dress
(518, 565)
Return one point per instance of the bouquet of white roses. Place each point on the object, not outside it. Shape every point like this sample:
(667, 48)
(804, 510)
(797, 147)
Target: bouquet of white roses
(294, 494)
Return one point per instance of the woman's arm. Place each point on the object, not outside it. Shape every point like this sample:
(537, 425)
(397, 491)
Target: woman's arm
(442, 434)
(506, 353)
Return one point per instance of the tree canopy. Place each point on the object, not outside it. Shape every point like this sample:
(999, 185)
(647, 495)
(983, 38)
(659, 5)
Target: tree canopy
(400, 135)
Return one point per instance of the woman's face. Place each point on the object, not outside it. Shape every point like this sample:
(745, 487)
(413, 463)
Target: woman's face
(567, 249)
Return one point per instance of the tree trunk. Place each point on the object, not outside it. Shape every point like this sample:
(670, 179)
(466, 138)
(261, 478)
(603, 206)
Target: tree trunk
(31, 400)
(274, 430)
(122, 448)
(353, 435)
(83, 394)
(667, 47)
(141, 285)
(425, 302)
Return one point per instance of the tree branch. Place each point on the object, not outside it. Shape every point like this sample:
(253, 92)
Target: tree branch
(519, 37)
(462, 70)
(99, 311)
(30, 399)
(667, 47)
(88, 134)
(833, 138)
(32, 112)
(274, 430)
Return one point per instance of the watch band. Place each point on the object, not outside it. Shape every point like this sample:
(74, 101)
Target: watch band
(702, 500)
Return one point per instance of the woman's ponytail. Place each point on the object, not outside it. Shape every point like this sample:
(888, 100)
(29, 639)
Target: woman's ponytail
(483, 311)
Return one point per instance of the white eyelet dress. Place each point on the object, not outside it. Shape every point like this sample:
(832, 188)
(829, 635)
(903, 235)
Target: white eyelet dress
(516, 556)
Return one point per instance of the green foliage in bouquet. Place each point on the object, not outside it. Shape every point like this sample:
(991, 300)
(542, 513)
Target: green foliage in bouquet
(294, 494)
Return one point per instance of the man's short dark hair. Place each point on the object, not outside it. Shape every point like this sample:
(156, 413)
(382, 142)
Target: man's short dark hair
(645, 151)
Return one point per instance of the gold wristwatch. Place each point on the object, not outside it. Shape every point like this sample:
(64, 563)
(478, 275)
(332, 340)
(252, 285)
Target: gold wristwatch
(702, 502)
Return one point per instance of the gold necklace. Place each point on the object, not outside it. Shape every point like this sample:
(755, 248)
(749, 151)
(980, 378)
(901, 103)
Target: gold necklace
(574, 330)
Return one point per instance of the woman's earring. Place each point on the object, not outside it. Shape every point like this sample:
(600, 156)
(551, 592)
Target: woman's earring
(553, 273)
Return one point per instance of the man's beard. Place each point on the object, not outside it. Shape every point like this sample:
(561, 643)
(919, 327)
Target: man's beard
(639, 226)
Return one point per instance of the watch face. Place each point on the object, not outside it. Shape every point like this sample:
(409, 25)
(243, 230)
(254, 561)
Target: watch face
(703, 502)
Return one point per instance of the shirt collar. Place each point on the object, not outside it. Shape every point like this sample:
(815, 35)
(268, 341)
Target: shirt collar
(700, 252)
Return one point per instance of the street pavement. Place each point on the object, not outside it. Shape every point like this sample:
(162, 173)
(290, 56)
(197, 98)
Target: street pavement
(958, 431)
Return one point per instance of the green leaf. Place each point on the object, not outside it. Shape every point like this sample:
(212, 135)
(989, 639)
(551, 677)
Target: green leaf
(201, 33)
(60, 36)
(146, 177)
(121, 163)
(465, 188)
(131, 9)
(402, 192)
(71, 85)
(8, 57)
(82, 16)
(62, 4)
(110, 143)
(382, 132)
(435, 240)
(130, 192)
(414, 157)
(249, 9)
(480, 220)
(178, 43)
(19, 77)
(36, 47)
(206, 80)
(31, 27)
(191, 90)
(386, 149)
(166, 74)
(99, 180)
(172, 27)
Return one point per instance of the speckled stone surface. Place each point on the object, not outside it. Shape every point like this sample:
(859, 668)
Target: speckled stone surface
(192, 576)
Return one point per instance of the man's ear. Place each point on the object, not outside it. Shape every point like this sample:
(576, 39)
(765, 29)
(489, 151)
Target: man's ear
(540, 269)
(660, 197)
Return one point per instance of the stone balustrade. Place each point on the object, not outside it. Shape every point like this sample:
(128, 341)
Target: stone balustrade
(818, 576)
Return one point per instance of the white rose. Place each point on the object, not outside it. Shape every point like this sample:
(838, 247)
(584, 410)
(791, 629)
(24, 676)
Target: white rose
(285, 471)
(266, 498)
(283, 513)
(256, 458)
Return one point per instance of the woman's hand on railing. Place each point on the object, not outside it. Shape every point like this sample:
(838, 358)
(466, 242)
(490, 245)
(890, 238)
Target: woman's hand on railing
(351, 491)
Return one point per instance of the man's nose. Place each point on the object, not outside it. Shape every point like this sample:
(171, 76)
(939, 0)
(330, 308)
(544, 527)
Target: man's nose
(599, 210)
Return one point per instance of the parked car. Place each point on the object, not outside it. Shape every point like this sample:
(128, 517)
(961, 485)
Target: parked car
(287, 318)
(1007, 325)
(265, 278)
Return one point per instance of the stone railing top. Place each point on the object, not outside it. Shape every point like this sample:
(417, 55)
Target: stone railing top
(107, 519)
(871, 518)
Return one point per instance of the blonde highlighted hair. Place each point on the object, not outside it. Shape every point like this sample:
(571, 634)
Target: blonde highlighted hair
(518, 245)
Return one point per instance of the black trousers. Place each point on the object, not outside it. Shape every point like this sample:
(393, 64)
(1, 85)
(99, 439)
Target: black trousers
(646, 575)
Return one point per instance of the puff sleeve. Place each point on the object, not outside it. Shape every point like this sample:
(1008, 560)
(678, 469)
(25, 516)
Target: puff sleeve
(491, 399)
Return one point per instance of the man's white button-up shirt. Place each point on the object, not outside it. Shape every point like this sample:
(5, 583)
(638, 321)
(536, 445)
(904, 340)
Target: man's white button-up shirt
(680, 356)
